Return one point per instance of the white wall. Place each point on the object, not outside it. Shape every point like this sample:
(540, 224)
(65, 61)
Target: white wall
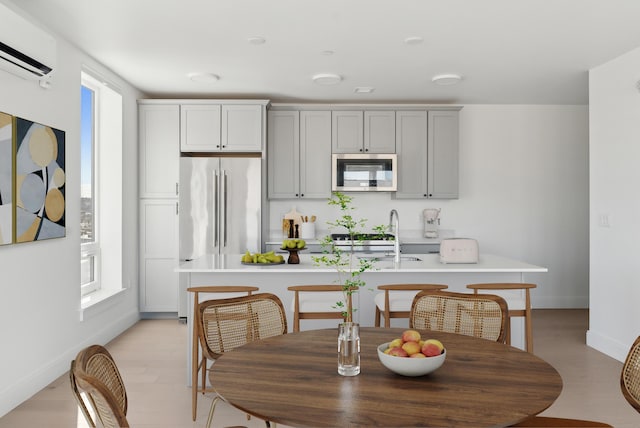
(614, 120)
(523, 194)
(40, 325)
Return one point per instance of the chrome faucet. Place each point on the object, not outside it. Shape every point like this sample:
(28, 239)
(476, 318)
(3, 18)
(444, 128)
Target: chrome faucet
(396, 226)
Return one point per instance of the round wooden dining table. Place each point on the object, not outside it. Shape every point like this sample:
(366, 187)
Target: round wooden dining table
(293, 380)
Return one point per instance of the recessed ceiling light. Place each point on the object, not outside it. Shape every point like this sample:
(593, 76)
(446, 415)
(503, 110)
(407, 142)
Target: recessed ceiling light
(446, 79)
(364, 90)
(327, 78)
(256, 40)
(413, 40)
(203, 77)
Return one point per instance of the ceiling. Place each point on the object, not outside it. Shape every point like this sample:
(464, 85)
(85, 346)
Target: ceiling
(507, 51)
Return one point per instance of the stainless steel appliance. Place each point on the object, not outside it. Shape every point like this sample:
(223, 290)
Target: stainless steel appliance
(364, 242)
(364, 172)
(219, 208)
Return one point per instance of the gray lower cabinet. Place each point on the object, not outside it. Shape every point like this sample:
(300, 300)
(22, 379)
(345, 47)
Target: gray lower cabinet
(299, 154)
(427, 148)
(158, 255)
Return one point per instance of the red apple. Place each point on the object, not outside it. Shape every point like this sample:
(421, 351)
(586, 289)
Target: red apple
(398, 352)
(410, 336)
(432, 347)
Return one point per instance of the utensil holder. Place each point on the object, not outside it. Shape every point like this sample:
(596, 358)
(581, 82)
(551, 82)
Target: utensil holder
(307, 230)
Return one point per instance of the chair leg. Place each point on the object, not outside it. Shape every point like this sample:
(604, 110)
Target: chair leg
(203, 374)
(529, 332)
(211, 410)
(377, 320)
(508, 335)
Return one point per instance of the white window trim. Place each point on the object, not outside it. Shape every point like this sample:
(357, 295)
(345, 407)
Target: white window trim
(107, 250)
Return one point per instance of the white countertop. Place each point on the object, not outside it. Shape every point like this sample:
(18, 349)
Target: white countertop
(429, 263)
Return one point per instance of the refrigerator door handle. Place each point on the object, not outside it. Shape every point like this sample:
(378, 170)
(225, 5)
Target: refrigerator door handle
(224, 193)
(216, 209)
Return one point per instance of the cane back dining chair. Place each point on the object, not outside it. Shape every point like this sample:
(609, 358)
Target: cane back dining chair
(78, 396)
(479, 315)
(226, 324)
(198, 359)
(517, 308)
(630, 376)
(395, 301)
(94, 372)
(316, 302)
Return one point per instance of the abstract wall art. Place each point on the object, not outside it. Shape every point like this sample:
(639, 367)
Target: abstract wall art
(6, 178)
(39, 182)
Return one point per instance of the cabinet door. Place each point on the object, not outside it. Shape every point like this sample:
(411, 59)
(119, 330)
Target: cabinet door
(158, 255)
(411, 147)
(443, 155)
(283, 145)
(346, 132)
(242, 128)
(159, 133)
(200, 127)
(315, 154)
(380, 131)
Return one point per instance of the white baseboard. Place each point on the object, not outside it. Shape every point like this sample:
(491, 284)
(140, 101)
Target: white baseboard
(13, 395)
(607, 345)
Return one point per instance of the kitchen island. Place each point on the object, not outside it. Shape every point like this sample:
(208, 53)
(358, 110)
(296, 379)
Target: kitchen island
(228, 270)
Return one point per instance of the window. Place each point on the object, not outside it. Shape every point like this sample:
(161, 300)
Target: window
(90, 250)
(101, 186)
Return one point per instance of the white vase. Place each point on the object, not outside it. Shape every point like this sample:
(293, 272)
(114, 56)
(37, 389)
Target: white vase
(349, 349)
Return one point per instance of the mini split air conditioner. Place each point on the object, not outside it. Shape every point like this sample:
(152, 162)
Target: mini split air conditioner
(25, 50)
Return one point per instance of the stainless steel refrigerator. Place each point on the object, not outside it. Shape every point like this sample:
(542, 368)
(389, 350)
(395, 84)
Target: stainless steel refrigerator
(219, 208)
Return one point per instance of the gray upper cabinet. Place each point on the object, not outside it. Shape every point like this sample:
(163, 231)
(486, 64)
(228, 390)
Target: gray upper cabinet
(159, 131)
(283, 154)
(299, 154)
(427, 148)
(380, 131)
(215, 127)
(347, 132)
(358, 131)
(442, 165)
(200, 128)
(315, 154)
(411, 147)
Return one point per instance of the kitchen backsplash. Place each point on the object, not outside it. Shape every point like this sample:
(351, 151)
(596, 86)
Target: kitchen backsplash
(373, 207)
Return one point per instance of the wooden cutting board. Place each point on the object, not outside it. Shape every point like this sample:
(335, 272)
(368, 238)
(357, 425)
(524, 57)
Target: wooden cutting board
(295, 215)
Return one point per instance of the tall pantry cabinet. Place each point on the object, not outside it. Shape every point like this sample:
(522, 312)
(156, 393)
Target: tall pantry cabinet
(159, 146)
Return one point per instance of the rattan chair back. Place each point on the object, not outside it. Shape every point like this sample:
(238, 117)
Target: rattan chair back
(479, 315)
(78, 396)
(225, 324)
(97, 375)
(384, 306)
(630, 376)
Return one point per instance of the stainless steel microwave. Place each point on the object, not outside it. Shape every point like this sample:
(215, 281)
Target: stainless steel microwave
(364, 172)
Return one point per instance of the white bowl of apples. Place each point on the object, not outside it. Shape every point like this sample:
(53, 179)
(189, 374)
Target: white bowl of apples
(409, 355)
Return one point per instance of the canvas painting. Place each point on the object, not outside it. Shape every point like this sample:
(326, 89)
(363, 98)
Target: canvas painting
(6, 179)
(40, 182)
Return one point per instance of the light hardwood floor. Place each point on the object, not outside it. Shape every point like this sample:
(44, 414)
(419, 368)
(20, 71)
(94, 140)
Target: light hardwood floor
(152, 355)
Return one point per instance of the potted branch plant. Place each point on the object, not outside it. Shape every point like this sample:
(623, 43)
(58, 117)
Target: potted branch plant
(349, 268)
